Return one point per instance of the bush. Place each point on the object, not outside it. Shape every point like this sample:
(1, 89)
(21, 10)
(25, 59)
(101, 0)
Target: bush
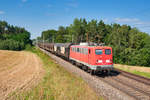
(10, 44)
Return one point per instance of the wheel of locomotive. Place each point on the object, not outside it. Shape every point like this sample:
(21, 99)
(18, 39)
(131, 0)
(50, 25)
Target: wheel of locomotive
(88, 69)
(108, 72)
(102, 72)
(73, 62)
(84, 67)
(92, 72)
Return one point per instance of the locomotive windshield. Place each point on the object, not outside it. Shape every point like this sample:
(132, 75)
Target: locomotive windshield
(107, 51)
(98, 51)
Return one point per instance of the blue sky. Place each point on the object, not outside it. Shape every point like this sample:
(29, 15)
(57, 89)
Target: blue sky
(39, 15)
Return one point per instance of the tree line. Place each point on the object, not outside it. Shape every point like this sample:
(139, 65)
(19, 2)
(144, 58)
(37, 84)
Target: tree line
(13, 37)
(130, 46)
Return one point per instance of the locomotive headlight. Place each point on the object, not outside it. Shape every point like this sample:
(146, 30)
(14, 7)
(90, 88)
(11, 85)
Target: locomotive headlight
(100, 61)
(108, 61)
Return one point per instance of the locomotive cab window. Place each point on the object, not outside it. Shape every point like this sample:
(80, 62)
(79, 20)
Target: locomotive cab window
(98, 51)
(107, 51)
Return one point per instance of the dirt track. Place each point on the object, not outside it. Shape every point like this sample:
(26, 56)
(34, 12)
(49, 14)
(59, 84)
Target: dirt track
(18, 70)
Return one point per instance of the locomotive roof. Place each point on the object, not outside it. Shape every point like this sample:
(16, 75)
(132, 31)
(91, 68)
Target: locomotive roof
(91, 46)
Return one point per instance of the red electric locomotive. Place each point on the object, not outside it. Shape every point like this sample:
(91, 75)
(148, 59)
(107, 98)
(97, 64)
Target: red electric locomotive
(92, 58)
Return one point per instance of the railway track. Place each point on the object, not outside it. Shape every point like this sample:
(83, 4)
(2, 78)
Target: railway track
(134, 90)
(141, 93)
(128, 89)
(136, 87)
(141, 79)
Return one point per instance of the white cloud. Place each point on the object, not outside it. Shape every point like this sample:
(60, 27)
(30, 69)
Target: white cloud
(126, 20)
(132, 21)
(2, 12)
(24, 0)
(135, 22)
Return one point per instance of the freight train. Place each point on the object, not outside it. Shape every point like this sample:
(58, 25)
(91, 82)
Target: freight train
(89, 56)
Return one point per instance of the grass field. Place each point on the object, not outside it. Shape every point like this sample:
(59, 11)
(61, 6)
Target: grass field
(142, 71)
(57, 84)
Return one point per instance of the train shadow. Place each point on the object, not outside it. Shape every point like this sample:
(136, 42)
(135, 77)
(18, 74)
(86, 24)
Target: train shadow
(111, 74)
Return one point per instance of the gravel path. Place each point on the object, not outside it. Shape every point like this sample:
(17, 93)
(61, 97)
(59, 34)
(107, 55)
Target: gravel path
(19, 71)
(101, 88)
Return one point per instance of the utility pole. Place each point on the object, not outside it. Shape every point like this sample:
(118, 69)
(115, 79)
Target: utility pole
(43, 39)
(87, 37)
(36, 42)
(53, 38)
(72, 38)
